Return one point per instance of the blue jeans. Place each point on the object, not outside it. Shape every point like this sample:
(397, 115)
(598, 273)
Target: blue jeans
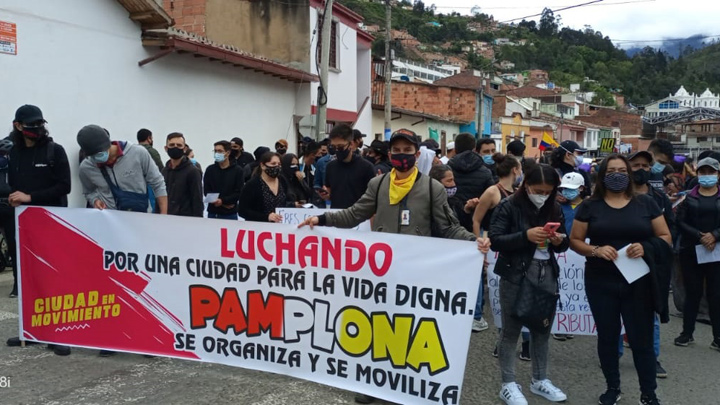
(656, 339)
(480, 302)
(222, 216)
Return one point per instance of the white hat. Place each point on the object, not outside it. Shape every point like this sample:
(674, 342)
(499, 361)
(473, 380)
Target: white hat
(572, 181)
(450, 146)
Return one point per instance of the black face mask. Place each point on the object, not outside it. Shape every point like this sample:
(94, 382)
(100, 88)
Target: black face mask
(281, 151)
(273, 172)
(175, 153)
(331, 150)
(641, 176)
(342, 154)
(236, 152)
(371, 159)
(35, 133)
(402, 162)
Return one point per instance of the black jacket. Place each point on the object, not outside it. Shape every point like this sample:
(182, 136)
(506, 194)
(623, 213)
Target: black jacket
(252, 205)
(508, 237)
(688, 220)
(659, 258)
(662, 200)
(184, 189)
(472, 178)
(228, 182)
(383, 167)
(244, 159)
(40, 172)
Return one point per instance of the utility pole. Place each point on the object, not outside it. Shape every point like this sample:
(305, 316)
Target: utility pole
(324, 67)
(480, 105)
(388, 69)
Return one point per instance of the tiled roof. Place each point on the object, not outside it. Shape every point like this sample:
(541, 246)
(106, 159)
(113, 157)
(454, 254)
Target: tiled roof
(463, 80)
(530, 91)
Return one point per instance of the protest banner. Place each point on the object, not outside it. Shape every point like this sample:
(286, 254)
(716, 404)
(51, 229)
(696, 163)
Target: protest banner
(295, 216)
(366, 314)
(573, 314)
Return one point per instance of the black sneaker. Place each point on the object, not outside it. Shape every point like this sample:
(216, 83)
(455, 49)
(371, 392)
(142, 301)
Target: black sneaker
(13, 293)
(684, 340)
(660, 371)
(649, 399)
(15, 342)
(715, 344)
(495, 351)
(559, 337)
(525, 352)
(107, 353)
(610, 397)
(364, 399)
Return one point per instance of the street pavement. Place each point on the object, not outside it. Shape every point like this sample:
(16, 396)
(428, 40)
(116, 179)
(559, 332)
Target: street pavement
(37, 376)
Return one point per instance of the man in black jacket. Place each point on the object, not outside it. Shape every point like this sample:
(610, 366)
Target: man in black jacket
(239, 154)
(39, 175)
(471, 176)
(182, 179)
(226, 179)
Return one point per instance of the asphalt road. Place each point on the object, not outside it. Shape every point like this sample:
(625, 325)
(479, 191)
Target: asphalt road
(37, 376)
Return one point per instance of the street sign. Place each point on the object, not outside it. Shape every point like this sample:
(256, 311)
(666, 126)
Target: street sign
(8, 38)
(607, 145)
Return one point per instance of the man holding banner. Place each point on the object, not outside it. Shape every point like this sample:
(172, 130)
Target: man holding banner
(403, 201)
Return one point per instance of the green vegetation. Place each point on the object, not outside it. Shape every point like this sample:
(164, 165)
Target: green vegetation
(568, 55)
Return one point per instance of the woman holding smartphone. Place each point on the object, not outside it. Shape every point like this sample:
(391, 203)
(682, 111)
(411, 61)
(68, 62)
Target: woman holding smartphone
(613, 218)
(527, 249)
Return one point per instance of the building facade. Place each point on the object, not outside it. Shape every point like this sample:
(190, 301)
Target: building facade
(682, 100)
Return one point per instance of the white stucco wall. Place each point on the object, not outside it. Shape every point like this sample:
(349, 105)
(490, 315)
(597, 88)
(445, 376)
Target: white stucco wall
(407, 121)
(342, 83)
(78, 61)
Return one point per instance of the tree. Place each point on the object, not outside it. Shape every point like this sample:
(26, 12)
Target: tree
(419, 7)
(548, 25)
(529, 25)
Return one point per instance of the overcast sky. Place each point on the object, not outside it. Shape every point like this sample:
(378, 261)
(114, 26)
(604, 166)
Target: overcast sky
(638, 20)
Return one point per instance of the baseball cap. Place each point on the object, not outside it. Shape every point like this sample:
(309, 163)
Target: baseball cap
(643, 153)
(405, 134)
(572, 146)
(282, 142)
(450, 146)
(379, 147)
(572, 181)
(708, 161)
(93, 139)
(28, 113)
(357, 134)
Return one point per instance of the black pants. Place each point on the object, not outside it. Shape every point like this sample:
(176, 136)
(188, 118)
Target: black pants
(7, 221)
(612, 298)
(694, 276)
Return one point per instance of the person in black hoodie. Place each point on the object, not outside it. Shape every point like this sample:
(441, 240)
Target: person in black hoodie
(298, 192)
(182, 180)
(378, 155)
(249, 169)
(39, 175)
(239, 154)
(265, 192)
(471, 175)
(225, 178)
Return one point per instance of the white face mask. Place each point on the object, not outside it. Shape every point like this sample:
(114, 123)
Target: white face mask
(538, 199)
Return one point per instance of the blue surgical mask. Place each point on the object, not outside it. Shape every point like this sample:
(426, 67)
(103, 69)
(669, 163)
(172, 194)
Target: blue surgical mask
(657, 167)
(488, 159)
(708, 180)
(193, 161)
(219, 157)
(519, 180)
(100, 158)
(578, 161)
(570, 194)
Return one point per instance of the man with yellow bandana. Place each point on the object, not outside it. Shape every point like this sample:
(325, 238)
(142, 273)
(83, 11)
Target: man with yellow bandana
(403, 201)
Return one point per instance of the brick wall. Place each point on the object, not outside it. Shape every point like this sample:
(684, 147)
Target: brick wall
(189, 15)
(499, 106)
(430, 99)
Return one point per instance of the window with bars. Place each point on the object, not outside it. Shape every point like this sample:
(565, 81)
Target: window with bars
(333, 62)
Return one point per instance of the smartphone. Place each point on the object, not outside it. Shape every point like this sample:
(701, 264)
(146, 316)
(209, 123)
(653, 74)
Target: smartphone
(551, 227)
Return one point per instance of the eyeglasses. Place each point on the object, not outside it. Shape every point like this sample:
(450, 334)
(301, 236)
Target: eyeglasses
(219, 151)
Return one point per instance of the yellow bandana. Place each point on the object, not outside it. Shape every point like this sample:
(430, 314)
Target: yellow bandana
(400, 188)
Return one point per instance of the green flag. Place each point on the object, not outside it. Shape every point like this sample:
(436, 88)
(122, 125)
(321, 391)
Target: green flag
(434, 134)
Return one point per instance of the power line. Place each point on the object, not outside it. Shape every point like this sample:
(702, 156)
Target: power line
(530, 7)
(555, 11)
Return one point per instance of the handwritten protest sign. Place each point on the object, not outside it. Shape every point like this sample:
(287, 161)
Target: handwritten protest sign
(358, 311)
(573, 313)
(295, 216)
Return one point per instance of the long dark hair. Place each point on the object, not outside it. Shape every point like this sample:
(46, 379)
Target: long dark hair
(600, 189)
(504, 164)
(550, 212)
(264, 159)
(286, 162)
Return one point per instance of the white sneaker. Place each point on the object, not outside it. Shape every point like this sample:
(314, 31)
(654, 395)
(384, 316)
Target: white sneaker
(511, 394)
(547, 390)
(479, 325)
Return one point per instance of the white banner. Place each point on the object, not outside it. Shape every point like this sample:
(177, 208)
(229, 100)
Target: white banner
(573, 313)
(295, 216)
(383, 314)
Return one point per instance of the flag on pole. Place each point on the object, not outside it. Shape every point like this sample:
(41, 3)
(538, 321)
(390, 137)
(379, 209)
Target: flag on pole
(547, 141)
(434, 134)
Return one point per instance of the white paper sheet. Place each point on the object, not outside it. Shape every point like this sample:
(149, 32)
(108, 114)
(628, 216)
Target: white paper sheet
(211, 198)
(631, 269)
(707, 256)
